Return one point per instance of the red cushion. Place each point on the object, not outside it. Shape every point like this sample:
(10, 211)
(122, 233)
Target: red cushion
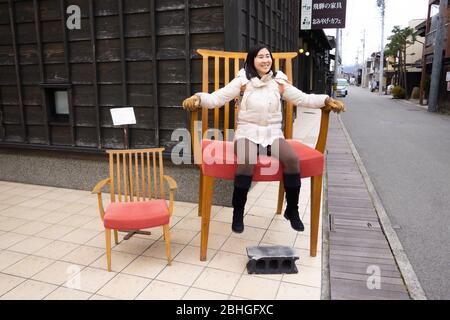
(136, 215)
(219, 161)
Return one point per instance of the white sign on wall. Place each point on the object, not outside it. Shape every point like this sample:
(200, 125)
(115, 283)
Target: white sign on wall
(306, 16)
(123, 116)
(448, 76)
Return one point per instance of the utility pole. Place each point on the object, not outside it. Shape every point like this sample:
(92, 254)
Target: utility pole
(336, 61)
(382, 5)
(363, 80)
(437, 58)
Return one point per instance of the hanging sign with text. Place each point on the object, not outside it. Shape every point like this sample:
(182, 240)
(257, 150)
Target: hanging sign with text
(323, 14)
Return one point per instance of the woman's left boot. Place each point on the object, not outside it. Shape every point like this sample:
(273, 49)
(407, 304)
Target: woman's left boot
(292, 184)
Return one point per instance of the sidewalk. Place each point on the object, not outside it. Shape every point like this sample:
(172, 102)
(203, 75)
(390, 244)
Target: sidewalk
(52, 247)
(362, 265)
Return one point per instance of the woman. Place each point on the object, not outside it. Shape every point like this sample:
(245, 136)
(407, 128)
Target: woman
(259, 124)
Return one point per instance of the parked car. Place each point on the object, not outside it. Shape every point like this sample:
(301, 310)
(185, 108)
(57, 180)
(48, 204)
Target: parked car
(342, 87)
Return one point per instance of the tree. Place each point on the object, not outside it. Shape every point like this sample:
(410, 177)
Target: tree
(400, 40)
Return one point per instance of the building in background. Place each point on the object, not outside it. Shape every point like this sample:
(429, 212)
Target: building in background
(428, 30)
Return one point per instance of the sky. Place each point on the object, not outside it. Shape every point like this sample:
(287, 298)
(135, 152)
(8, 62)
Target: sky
(365, 15)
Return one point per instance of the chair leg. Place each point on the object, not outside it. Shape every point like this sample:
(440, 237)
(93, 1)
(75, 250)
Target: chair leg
(116, 236)
(280, 198)
(200, 194)
(108, 248)
(316, 196)
(167, 240)
(208, 186)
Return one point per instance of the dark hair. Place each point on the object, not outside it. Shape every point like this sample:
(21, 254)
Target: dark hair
(249, 64)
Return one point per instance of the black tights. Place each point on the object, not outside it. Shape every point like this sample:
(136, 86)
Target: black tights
(247, 152)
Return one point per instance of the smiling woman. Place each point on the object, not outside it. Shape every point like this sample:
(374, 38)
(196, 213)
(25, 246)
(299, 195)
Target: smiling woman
(259, 127)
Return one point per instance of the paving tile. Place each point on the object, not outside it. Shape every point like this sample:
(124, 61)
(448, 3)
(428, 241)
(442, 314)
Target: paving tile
(90, 279)
(191, 255)
(84, 255)
(53, 205)
(134, 245)
(253, 234)
(307, 276)
(145, 267)
(158, 250)
(158, 290)
(238, 246)
(56, 250)
(68, 294)
(181, 236)
(8, 239)
(54, 217)
(8, 258)
(256, 288)
(55, 232)
(280, 238)
(32, 228)
(75, 221)
(9, 282)
(30, 290)
(28, 267)
(30, 245)
(215, 241)
(119, 261)
(9, 224)
(290, 291)
(180, 273)
(199, 294)
(80, 236)
(228, 261)
(58, 273)
(124, 287)
(217, 281)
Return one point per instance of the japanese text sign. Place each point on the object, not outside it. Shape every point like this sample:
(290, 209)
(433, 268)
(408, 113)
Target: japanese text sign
(323, 14)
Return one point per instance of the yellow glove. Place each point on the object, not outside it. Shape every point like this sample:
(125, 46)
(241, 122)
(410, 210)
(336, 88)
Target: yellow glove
(192, 103)
(334, 105)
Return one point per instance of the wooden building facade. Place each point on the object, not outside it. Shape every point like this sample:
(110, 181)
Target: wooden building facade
(57, 85)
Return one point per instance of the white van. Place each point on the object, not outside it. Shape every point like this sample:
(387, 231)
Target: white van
(342, 87)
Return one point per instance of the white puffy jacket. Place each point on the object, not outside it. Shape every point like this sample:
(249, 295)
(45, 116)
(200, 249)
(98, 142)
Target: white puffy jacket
(260, 113)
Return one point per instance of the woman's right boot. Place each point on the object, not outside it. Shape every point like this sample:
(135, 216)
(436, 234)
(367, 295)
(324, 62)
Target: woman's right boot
(242, 184)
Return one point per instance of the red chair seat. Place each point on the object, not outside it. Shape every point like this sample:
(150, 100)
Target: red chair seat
(219, 161)
(136, 215)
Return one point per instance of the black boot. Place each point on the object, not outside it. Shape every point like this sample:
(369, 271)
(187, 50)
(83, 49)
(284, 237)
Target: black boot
(292, 185)
(241, 186)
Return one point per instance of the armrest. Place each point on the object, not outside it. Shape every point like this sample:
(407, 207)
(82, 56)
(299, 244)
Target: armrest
(172, 187)
(171, 182)
(323, 133)
(98, 188)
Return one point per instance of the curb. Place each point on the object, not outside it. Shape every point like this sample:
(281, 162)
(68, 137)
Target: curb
(406, 270)
(325, 291)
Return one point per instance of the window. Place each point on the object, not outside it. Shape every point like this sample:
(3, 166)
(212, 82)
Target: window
(57, 98)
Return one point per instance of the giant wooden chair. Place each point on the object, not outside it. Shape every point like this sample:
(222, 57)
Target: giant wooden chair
(311, 160)
(136, 183)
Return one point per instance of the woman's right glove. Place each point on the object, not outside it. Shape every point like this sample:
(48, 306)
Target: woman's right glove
(192, 103)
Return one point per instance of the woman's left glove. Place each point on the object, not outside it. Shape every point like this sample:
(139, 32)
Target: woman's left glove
(334, 105)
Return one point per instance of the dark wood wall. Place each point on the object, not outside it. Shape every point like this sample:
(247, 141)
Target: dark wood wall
(138, 53)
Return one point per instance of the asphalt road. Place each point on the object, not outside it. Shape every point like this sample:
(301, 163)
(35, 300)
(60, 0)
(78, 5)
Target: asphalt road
(406, 151)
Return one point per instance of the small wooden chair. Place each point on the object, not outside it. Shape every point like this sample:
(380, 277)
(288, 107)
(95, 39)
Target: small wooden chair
(311, 160)
(136, 182)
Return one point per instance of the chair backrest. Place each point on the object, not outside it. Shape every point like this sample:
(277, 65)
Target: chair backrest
(136, 175)
(232, 61)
